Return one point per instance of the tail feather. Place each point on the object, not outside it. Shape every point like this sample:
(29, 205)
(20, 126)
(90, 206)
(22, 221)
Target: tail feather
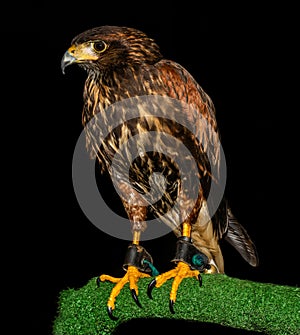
(238, 237)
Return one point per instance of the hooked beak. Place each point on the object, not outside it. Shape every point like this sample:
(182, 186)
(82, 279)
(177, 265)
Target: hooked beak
(67, 60)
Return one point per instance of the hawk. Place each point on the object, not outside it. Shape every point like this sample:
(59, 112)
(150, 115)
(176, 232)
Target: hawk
(127, 72)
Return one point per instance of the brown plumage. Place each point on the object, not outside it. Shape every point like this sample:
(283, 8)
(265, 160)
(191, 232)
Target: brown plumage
(124, 66)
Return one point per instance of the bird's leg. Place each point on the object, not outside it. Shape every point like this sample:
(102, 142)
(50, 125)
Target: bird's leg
(190, 263)
(137, 264)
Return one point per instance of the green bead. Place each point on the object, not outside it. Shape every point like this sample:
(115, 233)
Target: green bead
(197, 260)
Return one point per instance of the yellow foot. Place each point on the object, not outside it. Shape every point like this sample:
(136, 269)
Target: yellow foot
(132, 276)
(181, 271)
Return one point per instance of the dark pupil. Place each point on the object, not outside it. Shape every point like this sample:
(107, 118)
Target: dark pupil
(99, 46)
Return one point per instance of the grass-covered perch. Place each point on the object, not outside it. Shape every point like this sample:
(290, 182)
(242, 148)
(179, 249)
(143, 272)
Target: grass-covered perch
(261, 307)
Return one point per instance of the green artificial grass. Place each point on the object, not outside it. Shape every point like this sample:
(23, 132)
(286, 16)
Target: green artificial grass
(261, 307)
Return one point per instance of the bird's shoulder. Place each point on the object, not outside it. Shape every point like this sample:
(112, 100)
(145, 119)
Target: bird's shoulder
(182, 85)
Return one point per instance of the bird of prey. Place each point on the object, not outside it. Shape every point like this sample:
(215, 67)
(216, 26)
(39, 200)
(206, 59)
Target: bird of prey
(126, 68)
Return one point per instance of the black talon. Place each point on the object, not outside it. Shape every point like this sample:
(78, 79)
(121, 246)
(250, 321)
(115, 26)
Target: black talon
(110, 314)
(98, 282)
(150, 288)
(171, 306)
(135, 298)
(200, 279)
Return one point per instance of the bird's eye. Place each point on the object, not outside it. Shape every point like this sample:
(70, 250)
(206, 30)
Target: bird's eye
(99, 46)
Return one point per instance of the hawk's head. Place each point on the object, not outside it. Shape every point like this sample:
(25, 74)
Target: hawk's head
(111, 47)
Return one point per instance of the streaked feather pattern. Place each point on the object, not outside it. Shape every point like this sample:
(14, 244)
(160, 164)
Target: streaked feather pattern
(132, 66)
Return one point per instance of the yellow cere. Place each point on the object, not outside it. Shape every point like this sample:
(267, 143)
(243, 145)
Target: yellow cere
(83, 52)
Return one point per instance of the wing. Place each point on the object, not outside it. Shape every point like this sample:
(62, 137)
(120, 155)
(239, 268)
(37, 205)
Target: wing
(181, 85)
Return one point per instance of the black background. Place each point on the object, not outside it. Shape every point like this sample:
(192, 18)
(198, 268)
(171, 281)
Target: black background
(243, 56)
